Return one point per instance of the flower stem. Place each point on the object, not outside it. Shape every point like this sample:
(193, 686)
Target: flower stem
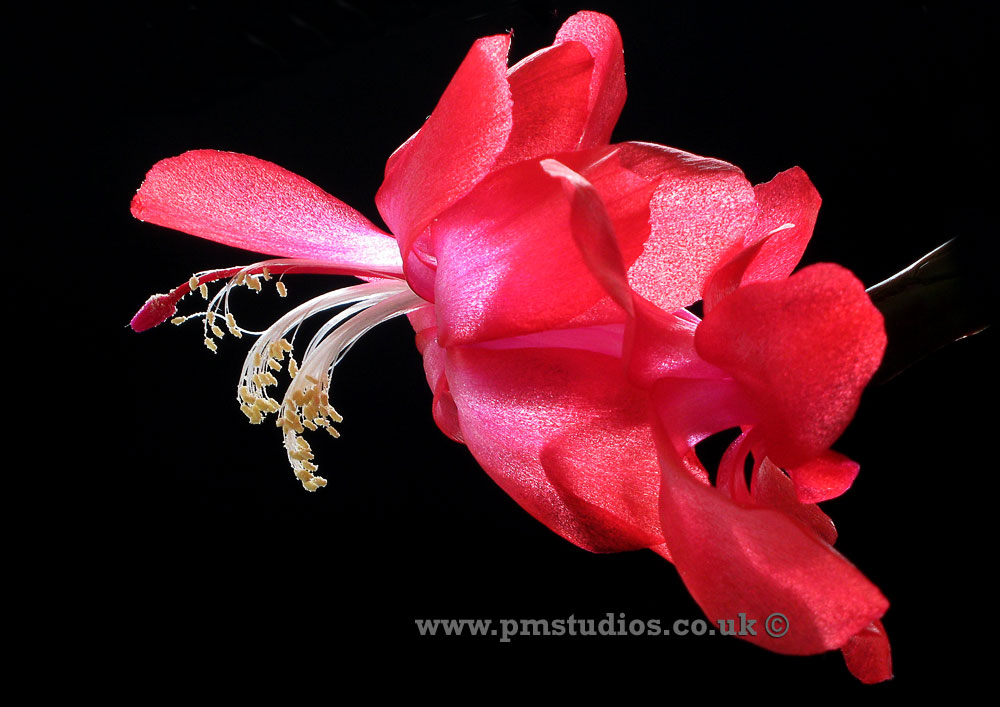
(939, 299)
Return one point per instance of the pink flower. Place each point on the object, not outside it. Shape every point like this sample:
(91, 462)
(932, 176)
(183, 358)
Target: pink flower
(546, 273)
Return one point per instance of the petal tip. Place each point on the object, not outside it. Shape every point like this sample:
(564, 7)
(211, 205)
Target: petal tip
(136, 207)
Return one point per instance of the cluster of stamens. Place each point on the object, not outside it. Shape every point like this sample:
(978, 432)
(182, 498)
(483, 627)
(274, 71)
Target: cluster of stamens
(306, 403)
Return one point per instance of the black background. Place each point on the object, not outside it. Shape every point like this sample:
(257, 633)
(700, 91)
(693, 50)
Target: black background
(189, 545)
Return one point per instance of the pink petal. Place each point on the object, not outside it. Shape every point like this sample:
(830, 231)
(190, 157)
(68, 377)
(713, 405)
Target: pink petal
(693, 409)
(868, 655)
(593, 233)
(443, 409)
(772, 488)
(696, 211)
(662, 344)
(550, 90)
(773, 246)
(256, 205)
(727, 278)
(421, 270)
(731, 478)
(455, 148)
(701, 208)
(789, 204)
(761, 562)
(824, 477)
(607, 85)
(803, 349)
(563, 433)
(507, 254)
(607, 339)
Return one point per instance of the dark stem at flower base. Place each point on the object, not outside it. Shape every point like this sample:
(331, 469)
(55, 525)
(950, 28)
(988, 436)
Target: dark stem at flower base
(941, 298)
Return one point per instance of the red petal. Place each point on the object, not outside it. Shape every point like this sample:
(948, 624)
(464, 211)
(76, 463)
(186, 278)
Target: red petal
(508, 258)
(593, 233)
(662, 344)
(824, 477)
(788, 202)
(694, 211)
(700, 209)
(607, 85)
(731, 478)
(549, 90)
(455, 148)
(761, 562)
(803, 349)
(694, 409)
(443, 407)
(563, 433)
(727, 277)
(256, 205)
(772, 488)
(868, 655)
(773, 246)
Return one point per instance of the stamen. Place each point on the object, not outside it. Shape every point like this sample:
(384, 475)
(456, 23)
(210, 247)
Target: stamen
(306, 402)
(161, 307)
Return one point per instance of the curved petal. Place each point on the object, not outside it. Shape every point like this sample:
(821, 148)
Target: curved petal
(248, 203)
(593, 233)
(691, 410)
(443, 408)
(726, 279)
(599, 34)
(731, 477)
(773, 489)
(824, 477)
(701, 208)
(549, 91)
(454, 149)
(507, 259)
(759, 562)
(607, 339)
(868, 655)
(661, 344)
(803, 349)
(789, 205)
(773, 246)
(563, 433)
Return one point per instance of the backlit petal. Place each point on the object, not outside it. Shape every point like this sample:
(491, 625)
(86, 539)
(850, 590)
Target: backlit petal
(455, 148)
(772, 488)
(868, 655)
(507, 259)
(700, 209)
(248, 203)
(760, 562)
(549, 90)
(823, 477)
(600, 35)
(789, 205)
(562, 432)
(803, 349)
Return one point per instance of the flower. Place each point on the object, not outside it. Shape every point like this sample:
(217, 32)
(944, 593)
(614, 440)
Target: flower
(545, 272)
